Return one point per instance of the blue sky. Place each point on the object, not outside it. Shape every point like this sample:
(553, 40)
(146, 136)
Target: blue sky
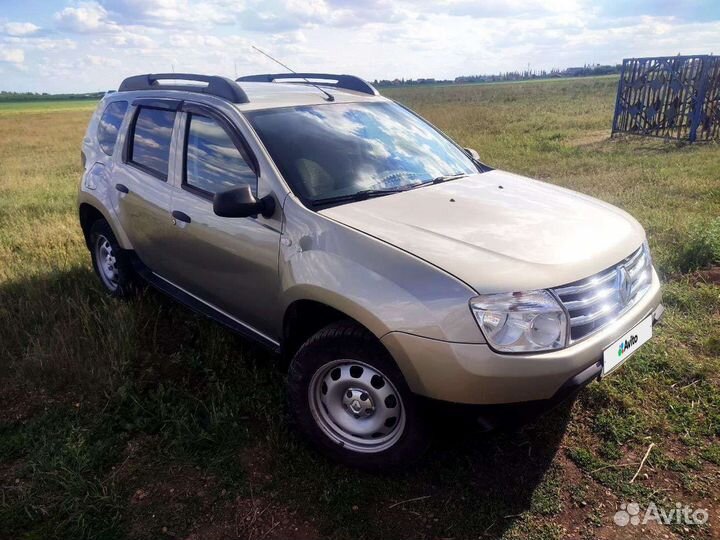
(74, 46)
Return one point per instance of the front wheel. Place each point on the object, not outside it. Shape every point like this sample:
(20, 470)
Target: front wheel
(349, 398)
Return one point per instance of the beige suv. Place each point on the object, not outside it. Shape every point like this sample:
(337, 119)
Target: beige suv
(338, 228)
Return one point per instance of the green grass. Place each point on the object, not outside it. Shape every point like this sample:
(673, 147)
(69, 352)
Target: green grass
(47, 105)
(141, 420)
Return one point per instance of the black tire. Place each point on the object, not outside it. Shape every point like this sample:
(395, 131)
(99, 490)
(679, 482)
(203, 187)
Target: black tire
(125, 283)
(347, 341)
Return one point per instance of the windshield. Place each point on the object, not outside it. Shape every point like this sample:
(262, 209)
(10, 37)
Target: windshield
(336, 150)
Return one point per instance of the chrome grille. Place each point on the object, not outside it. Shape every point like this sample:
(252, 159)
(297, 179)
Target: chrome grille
(596, 301)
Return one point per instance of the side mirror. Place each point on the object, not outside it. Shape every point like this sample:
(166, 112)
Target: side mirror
(240, 202)
(472, 153)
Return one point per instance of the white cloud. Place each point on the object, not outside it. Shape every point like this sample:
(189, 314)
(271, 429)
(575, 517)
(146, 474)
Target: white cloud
(18, 28)
(491, 9)
(38, 43)
(87, 17)
(97, 60)
(198, 42)
(289, 15)
(12, 56)
(131, 40)
(168, 13)
(372, 38)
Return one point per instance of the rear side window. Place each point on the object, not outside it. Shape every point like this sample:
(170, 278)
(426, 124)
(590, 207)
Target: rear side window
(213, 162)
(109, 126)
(150, 148)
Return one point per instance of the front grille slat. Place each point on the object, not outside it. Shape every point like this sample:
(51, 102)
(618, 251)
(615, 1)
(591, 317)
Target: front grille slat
(637, 268)
(640, 283)
(589, 286)
(583, 320)
(572, 305)
(596, 301)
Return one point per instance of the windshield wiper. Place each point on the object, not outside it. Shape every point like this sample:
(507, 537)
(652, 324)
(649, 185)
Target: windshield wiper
(357, 196)
(439, 180)
(447, 177)
(369, 193)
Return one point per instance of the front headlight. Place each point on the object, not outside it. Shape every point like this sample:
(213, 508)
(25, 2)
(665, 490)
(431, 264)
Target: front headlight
(521, 322)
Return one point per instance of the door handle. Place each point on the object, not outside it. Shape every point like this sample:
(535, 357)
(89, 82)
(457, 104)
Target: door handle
(122, 188)
(181, 216)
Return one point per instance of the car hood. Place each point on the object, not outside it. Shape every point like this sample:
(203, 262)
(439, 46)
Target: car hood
(498, 231)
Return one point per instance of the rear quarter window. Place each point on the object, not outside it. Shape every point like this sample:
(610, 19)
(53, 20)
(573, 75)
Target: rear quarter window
(109, 125)
(150, 148)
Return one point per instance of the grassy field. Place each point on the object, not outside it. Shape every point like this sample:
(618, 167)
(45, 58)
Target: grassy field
(47, 106)
(141, 420)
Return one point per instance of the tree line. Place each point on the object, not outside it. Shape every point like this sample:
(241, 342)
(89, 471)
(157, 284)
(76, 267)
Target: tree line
(44, 96)
(588, 70)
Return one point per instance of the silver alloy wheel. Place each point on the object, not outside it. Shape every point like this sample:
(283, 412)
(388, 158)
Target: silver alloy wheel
(356, 405)
(106, 262)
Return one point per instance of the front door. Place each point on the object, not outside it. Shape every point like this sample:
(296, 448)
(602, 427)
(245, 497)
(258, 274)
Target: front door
(229, 263)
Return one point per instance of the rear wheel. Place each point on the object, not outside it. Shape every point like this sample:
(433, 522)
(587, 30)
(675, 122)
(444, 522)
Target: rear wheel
(349, 398)
(110, 262)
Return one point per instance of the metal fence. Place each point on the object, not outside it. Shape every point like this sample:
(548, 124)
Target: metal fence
(673, 97)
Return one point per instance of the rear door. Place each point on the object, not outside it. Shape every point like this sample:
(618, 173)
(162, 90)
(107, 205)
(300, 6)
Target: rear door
(143, 191)
(229, 263)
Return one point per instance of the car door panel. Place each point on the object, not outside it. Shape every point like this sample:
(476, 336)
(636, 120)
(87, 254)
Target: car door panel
(144, 212)
(142, 190)
(143, 193)
(230, 263)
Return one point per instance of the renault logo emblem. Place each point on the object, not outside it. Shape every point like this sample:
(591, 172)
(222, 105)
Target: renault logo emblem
(623, 285)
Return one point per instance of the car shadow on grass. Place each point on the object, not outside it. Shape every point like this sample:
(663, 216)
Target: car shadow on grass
(471, 483)
(215, 402)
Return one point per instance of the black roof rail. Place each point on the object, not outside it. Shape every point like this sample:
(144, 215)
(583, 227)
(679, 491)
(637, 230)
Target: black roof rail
(348, 82)
(216, 86)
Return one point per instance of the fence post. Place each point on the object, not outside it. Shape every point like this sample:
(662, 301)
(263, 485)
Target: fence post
(617, 98)
(700, 98)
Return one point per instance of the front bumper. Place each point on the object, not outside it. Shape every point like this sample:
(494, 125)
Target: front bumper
(475, 374)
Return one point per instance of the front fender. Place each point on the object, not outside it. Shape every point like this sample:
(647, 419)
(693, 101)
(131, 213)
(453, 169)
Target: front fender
(382, 287)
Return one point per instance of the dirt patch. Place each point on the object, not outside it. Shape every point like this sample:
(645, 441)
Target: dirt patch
(181, 501)
(590, 138)
(20, 403)
(254, 519)
(257, 463)
(709, 276)
(581, 505)
(590, 511)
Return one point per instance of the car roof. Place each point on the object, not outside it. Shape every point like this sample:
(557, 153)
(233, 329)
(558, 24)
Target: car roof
(252, 92)
(265, 95)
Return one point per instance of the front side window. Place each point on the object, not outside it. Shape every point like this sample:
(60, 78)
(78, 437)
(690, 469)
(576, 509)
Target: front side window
(337, 150)
(151, 140)
(213, 162)
(109, 125)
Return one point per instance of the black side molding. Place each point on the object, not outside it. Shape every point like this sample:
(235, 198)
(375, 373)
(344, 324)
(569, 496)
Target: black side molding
(201, 307)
